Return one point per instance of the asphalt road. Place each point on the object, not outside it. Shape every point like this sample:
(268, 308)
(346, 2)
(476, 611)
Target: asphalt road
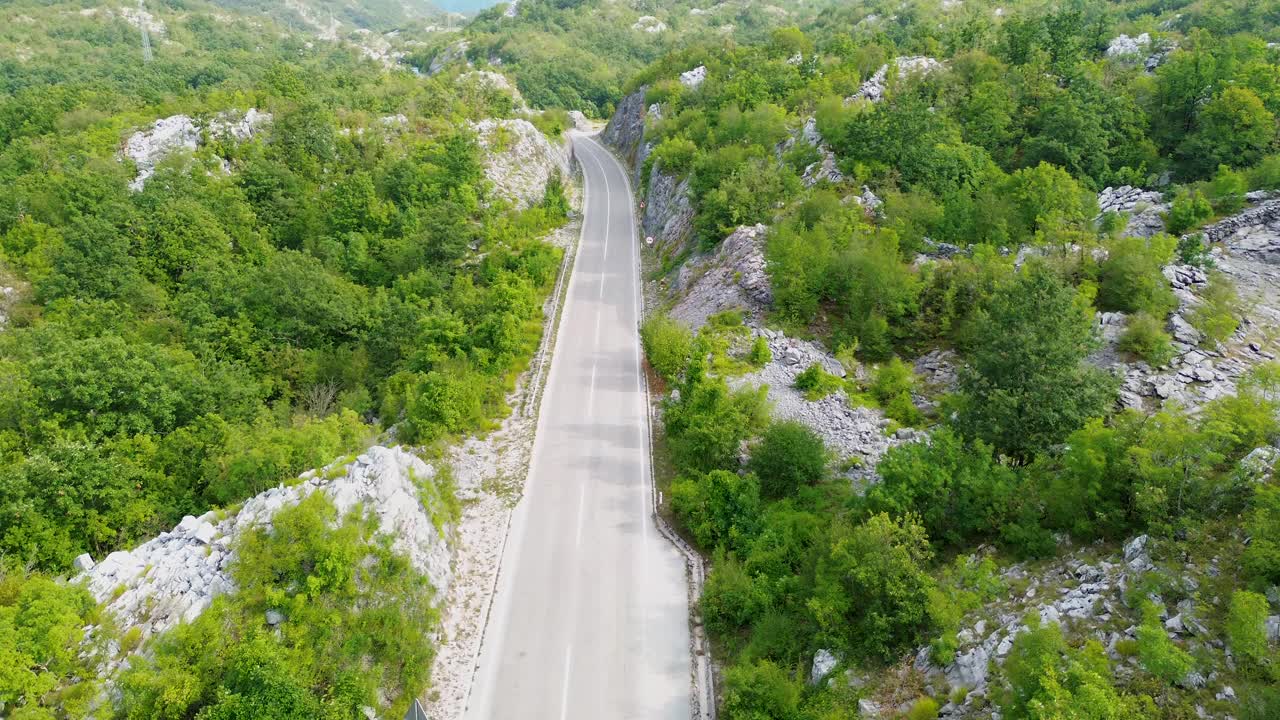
(590, 620)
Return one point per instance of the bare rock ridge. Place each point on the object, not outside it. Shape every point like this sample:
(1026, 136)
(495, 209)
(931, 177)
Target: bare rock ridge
(175, 576)
(874, 88)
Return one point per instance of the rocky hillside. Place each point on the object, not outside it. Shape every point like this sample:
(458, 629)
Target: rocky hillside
(174, 577)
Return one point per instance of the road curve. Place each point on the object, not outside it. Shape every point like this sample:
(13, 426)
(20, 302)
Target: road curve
(590, 620)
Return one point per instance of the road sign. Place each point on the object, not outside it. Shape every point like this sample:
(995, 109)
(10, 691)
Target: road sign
(416, 712)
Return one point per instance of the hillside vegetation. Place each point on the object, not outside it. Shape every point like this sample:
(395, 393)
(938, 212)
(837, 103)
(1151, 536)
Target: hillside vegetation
(317, 258)
(930, 176)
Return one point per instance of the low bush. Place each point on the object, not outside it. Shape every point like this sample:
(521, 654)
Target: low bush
(1145, 337)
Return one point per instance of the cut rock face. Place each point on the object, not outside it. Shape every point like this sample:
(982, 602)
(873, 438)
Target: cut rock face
(730, 278)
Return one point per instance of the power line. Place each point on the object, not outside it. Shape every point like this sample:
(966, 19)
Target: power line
(147, 56)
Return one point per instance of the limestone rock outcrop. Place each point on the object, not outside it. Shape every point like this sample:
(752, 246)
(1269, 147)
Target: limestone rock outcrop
(873, 89)
(175, 576)
(146, 148)
(519, 159)
(732, 277)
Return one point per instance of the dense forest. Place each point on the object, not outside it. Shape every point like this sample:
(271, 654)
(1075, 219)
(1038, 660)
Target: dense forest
(579, 54)
(264, 304)
(984, 147)
(322, 263)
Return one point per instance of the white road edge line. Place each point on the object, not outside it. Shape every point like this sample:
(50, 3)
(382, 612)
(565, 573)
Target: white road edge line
(564, 687)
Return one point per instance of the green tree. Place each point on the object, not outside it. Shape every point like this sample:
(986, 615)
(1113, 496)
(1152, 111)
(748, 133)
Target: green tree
(1132, 280)
(1235, 128)
(1145, 337)
(871, 588)
(1217, 315)
(760, 691)
(1158, 654)
(1227, 190)
(958, 492)
(1027, 386)
(720, 508)
(788, 457)
(1190, 209)
(707, 424)
(1246, 630)
(667, 345)
(1261, 559)
(43, 670)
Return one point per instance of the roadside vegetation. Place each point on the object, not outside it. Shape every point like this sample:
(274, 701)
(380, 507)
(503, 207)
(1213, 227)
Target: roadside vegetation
(995, 155)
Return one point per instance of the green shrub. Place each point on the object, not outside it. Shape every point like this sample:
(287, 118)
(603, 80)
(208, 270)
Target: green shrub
(816, 383)
(1226, 190)
(892, 379)
(1190, 209)
(1157, 653)
(1266, 174)
(760, 354)
(720, 508)
(1218, 314)
(1145, 337)
(731, 599)
(788, 457)
(1247, 631)
(1261, 558)
(761, 691)
(871, 589)
(925, 708)
(1132, 279)
(667, 345)
(674, 155)
(359, 628)
(1192, 250)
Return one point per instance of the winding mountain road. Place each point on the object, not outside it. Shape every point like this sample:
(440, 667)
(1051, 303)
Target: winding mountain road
(590, 620)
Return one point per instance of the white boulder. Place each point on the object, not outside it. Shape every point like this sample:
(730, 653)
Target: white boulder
(694, 78)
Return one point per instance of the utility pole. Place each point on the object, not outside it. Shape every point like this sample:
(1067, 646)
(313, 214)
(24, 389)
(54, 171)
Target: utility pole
(146, 36)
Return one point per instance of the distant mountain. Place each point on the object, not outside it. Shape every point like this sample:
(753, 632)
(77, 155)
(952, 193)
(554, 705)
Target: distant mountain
(466, 6)
(368, 14)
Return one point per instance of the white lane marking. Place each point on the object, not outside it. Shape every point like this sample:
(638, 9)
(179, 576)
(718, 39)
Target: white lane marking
(591, 393)
(564, 687)
(582, 501)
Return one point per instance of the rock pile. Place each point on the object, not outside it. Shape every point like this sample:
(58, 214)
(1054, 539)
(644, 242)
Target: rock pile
(857, 433)
(730, 278)
(519, 159)
(648, 24)
(1126, 46)
(175, 576)
(490, 80)
(1074, 592)
(1145, 208)
(1261, 220)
